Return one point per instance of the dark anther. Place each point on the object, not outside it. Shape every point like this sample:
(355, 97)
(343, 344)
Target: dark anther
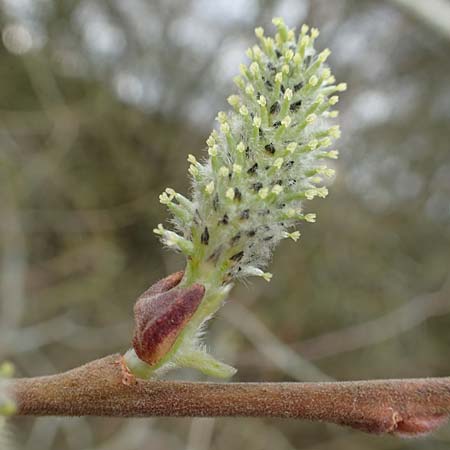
(245, 214)
(257, 186)
(270, 148)
(196, 217)
(278, 53)
(216, 202)
(291, 182)
(283, 89)
(289, 164)
(204, 238)
(251, 233)
(215, 255)
(238, 256)
(271, 67)
(261, 134)
(277, 124)
(224, 220)
(237, 194)
(279, 182)
(252, 169)
(269, 85)
(247, 152)
(235, 238)
(298, 86)
(275, 108)
(295, 106)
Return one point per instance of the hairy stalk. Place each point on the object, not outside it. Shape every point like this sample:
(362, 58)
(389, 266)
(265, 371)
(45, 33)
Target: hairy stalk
(265, 159)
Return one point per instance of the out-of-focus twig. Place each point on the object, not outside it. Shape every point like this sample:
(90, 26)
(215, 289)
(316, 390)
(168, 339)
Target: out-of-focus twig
(404, 407)
(395, 322)
(62, 329)
(435, 13)
(200, 434)
(271, 347)
(13, 259)
(388, 326)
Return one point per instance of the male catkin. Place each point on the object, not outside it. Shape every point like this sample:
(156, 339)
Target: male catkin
(265, 159)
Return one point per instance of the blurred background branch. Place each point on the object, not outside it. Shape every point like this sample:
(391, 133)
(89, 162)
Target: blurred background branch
(435, 13)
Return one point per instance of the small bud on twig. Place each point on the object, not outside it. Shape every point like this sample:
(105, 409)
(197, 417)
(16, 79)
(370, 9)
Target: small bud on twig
(160, 315)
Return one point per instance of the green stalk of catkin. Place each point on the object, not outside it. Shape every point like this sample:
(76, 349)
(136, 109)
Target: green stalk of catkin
(267, 157)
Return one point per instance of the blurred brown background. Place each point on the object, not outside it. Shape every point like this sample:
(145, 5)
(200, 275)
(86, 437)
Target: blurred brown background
(100, 103)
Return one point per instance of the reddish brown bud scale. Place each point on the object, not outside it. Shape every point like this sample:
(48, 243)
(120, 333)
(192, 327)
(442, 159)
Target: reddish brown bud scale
(164, 284)
(420, 426)
(161, 313)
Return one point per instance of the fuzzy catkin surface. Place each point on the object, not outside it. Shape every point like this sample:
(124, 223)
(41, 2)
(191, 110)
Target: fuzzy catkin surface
(265, 159)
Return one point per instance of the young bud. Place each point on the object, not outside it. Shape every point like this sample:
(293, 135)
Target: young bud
(161, 314)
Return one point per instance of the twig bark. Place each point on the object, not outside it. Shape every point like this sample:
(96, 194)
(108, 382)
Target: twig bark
(404, 407)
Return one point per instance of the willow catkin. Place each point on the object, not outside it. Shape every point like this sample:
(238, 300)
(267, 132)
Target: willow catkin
(267, 157)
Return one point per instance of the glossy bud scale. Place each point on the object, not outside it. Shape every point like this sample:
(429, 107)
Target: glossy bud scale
(161, 313)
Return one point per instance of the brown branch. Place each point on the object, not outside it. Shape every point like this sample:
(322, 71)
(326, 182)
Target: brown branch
(405, 407)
